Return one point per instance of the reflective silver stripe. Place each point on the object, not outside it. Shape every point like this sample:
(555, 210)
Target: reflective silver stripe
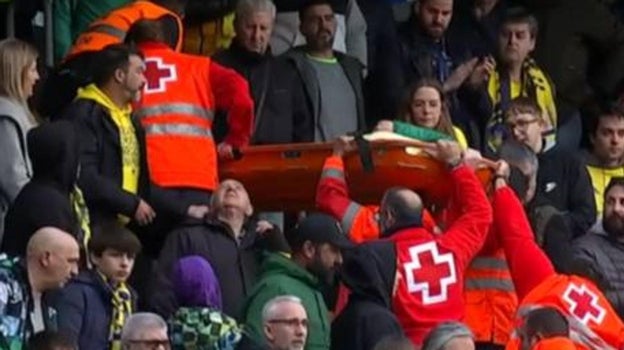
(181, 108)
(489, 283)
(349, 216)
(108, 29)
(333, 173)
(489, 263)
(177, 129)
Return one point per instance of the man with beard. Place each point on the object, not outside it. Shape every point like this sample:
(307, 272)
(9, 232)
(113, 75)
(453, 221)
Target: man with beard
(332, 80)
(316, 254)
(605, 251)
(113, 173)
(606, 159)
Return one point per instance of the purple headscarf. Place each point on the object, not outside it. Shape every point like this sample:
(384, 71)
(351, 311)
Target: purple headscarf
(195, 283)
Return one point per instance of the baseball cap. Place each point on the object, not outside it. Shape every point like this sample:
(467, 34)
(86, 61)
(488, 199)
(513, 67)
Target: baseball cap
(319, 228)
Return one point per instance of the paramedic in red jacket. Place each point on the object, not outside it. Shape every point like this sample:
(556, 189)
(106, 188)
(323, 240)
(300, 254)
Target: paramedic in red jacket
(429, 269)
(593, 322)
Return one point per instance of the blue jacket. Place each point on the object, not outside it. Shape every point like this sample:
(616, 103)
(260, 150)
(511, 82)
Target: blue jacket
(84, 309)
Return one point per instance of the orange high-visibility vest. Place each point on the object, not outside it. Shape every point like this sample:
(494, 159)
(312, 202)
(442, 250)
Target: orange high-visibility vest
(176, 110)
(112, 28)
(593, 322)
(557, 343)
(490, 298)
(359, 221)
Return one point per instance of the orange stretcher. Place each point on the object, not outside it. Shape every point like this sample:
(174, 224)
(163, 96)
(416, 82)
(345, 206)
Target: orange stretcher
(285, 177)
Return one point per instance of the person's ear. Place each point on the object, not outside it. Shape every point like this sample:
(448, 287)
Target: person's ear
(249, 211)
(308, 250)
(120, 75)
(542, 121)
(45, 259)
(94, 259)
(268, 332)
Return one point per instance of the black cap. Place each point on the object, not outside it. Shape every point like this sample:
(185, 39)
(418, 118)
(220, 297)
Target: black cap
(319, 228)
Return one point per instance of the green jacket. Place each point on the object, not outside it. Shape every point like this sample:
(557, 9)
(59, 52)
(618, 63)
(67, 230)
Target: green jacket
(282, 276)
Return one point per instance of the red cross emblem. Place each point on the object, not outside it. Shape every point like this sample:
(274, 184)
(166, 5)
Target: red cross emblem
(158, 74)
(430, 273)
(583, 304)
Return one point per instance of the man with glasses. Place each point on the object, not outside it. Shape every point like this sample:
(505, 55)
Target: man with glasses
(285, 323)
(145, 331)
(561, 177)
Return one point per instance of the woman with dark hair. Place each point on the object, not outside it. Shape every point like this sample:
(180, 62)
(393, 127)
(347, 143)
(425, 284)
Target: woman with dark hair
(425, 107)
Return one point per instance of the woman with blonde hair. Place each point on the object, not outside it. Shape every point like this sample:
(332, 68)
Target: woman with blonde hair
(18, 75)
(424, 107)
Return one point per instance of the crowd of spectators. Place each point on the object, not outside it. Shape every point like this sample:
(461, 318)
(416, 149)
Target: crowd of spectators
(116, 231)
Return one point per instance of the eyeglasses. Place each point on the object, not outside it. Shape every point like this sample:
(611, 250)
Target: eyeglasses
(152, 344)
(521, 124)
(291, 322)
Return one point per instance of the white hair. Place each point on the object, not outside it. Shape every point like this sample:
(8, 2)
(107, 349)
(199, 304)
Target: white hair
(268, 310)
(445, 332)
(246, 8)
(139, 322)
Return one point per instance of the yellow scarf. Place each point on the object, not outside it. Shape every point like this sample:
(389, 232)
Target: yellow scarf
(82, 213)
(122, 308)
(534, 84)
(127, 135)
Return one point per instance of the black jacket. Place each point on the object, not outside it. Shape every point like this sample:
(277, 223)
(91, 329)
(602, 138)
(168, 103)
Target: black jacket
(45, 200)
(606, 256)
(417, 59)
(563, 180)
(383, 87)
(100, 161)
(101, 167)
(367, 317)
(236, 264)
(282, 113)
(353, 70)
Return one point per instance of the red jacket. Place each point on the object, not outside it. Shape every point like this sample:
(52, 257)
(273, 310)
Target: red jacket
(430, 268)
(593, 322)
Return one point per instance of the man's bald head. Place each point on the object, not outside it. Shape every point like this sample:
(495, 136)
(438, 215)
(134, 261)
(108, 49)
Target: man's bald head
(53, 257)
(400, 206)
(49, 239)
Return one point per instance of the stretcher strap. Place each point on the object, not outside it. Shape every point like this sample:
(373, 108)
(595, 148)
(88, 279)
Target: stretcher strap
(364, 150)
